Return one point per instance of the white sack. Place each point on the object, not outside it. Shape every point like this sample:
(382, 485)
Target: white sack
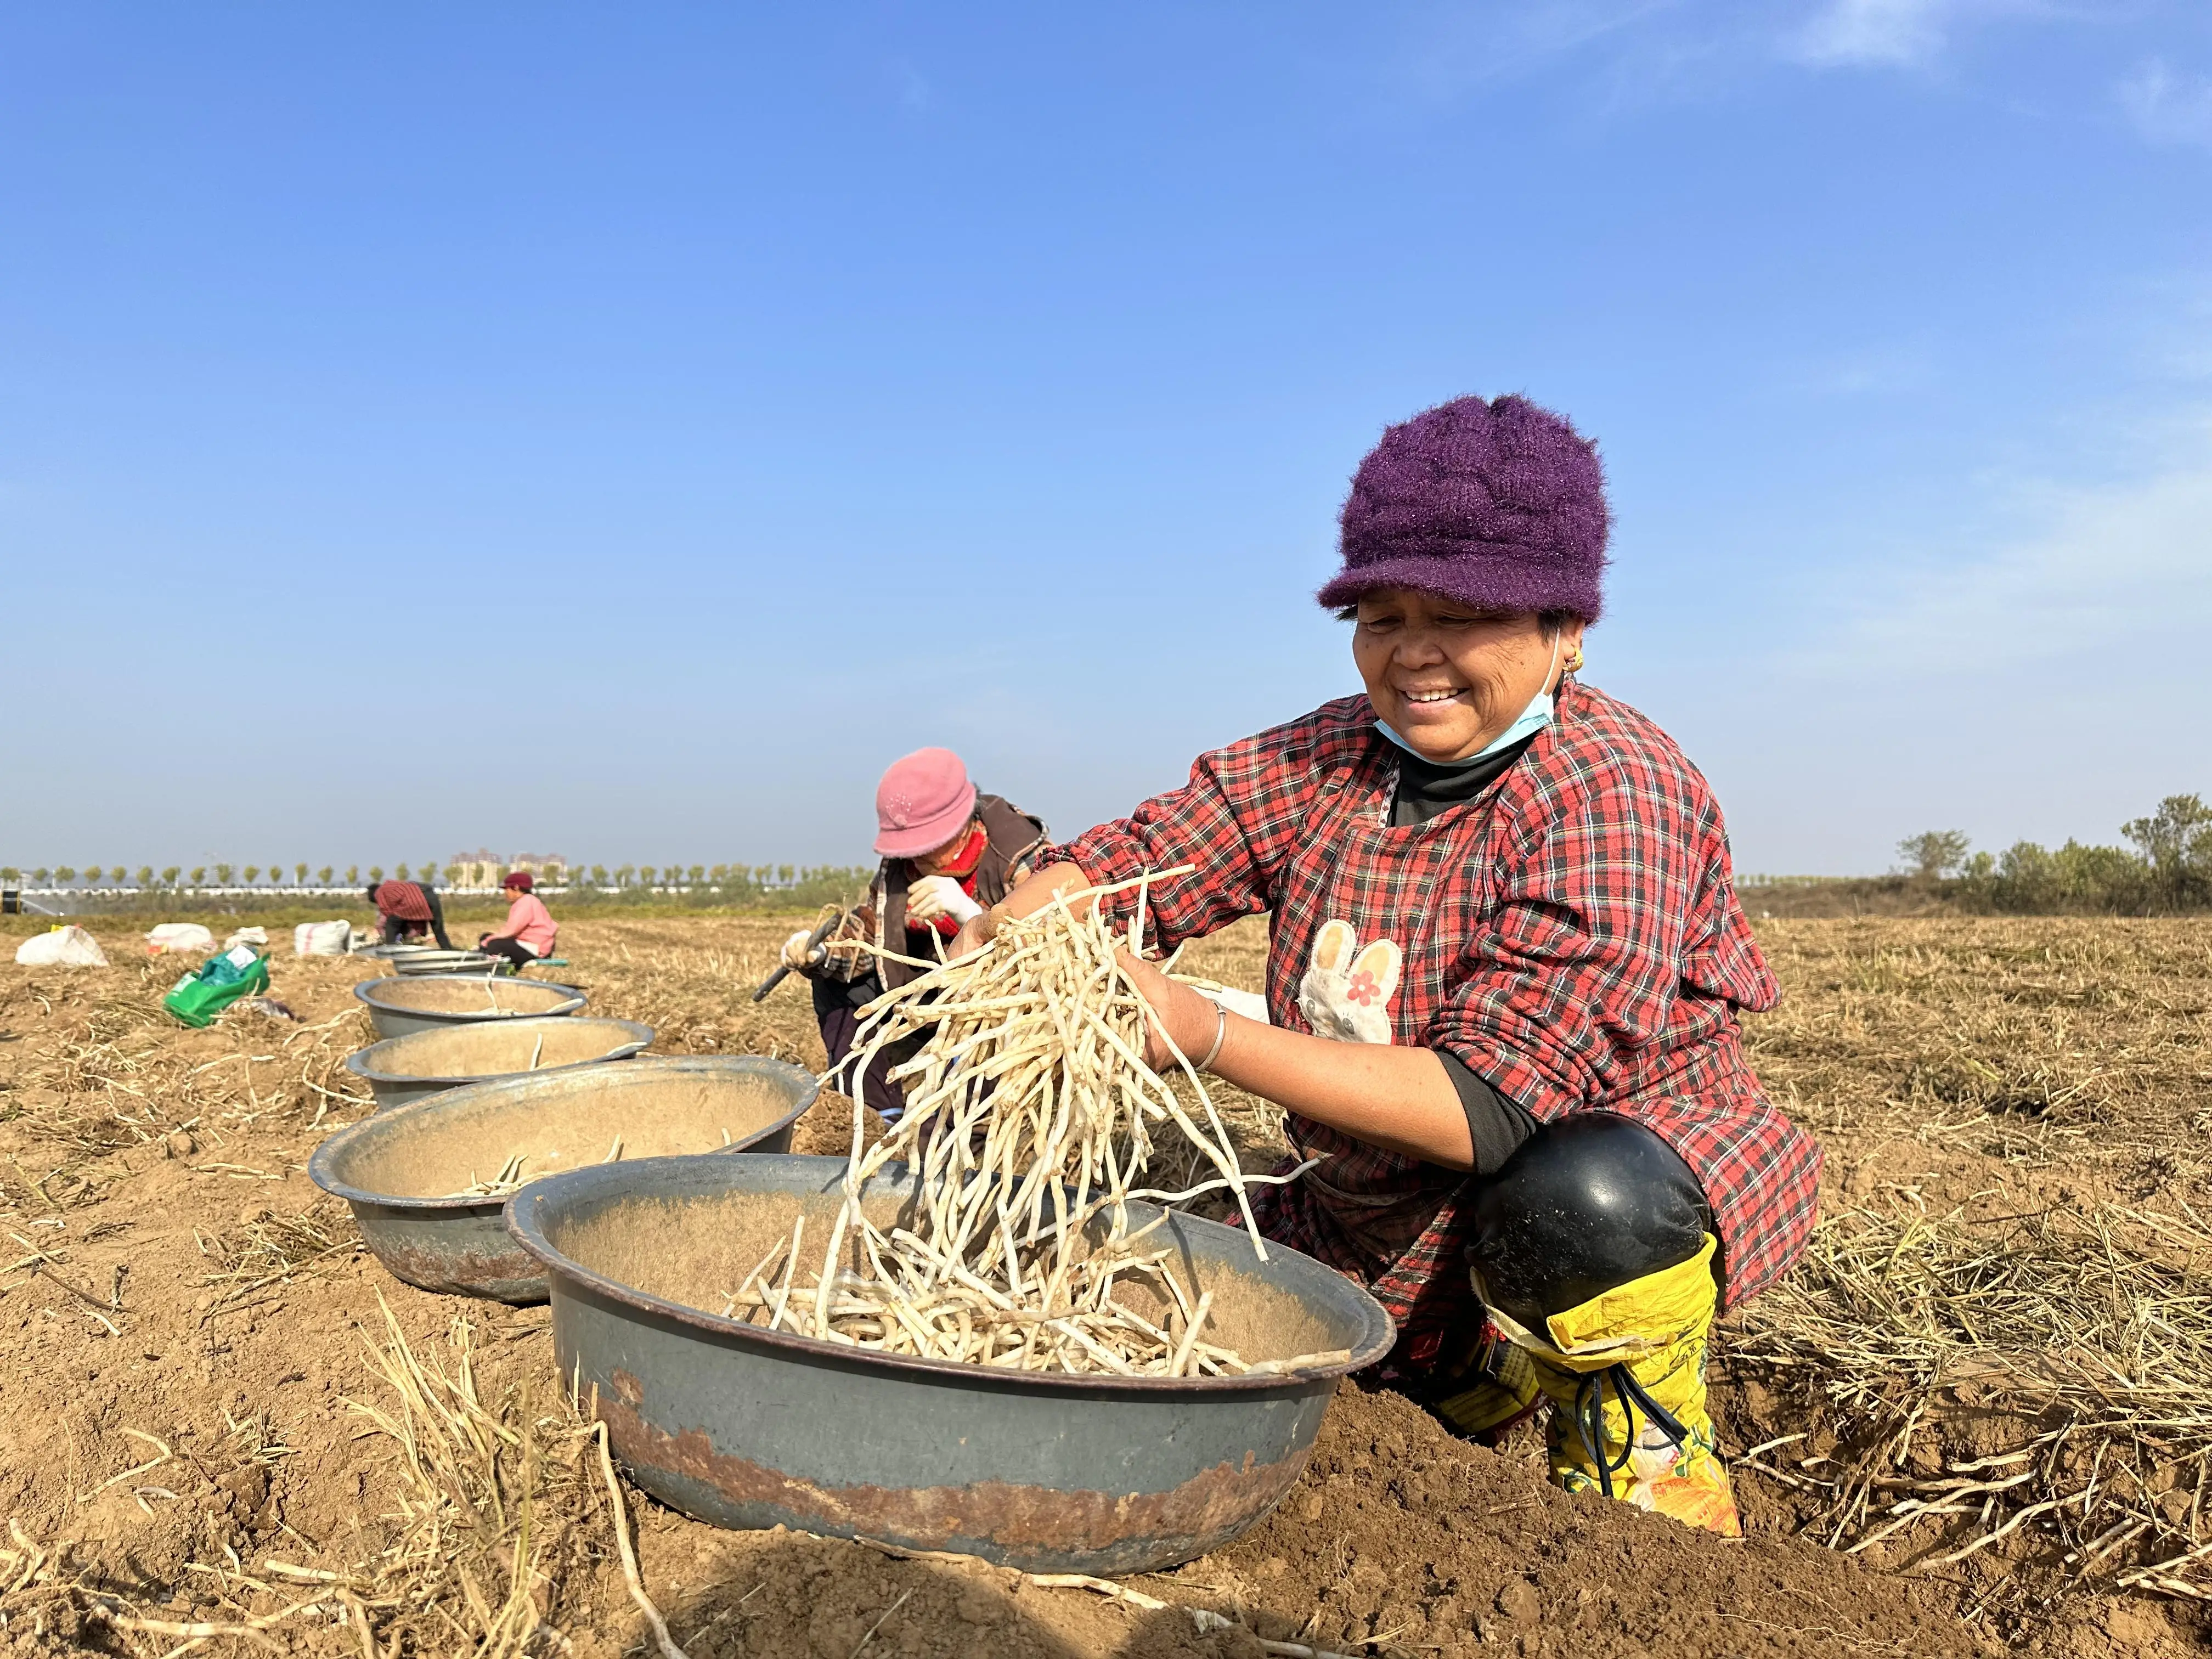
(322, 938)
(179, 936)
(246, 936)
(64, 947)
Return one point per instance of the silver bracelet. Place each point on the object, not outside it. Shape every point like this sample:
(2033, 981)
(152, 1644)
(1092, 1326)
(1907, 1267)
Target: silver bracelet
(1220, 1032)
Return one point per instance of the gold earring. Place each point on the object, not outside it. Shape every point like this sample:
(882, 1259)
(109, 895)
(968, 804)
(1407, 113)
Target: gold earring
(1575, 660)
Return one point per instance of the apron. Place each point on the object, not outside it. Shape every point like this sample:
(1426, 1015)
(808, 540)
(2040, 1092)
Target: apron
(1389, 1220)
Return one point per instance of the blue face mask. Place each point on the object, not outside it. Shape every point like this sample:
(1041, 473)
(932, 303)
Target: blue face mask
(1533, 719)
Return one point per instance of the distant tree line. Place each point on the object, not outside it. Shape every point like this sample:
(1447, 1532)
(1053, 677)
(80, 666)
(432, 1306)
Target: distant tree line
(762, 877)
(738, 884)
(2167, 868)
(721, 884)
(95, 877)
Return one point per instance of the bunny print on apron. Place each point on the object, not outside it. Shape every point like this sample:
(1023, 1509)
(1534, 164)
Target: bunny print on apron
(1346, 991)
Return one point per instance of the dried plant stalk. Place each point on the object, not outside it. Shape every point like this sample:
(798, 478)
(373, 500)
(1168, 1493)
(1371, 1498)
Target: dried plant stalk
(494, 1536)
(2085, 1357)
(511, 1178)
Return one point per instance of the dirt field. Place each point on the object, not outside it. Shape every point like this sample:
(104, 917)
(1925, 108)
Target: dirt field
(1990, 1379)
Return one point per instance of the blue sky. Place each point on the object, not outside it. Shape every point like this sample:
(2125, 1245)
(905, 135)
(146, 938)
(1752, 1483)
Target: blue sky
(623, 431)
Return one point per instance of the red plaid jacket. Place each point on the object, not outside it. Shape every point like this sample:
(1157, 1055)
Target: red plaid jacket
(403, 900)
(1573, 936)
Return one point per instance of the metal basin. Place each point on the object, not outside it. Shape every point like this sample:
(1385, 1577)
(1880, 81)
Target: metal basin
(744, 1427)
(399, 1008)
(400, 1169)
(412, 963)
(404, 1068)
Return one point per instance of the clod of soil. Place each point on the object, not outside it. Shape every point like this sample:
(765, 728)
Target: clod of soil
(1398, 1539)
(1401, 1532)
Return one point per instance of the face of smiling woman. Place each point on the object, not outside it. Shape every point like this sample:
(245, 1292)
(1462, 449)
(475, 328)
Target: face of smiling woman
(1449, 678)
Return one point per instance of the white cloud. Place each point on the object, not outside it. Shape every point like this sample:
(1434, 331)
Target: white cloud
(916, 93)
(1875, 371)
(1643, 50)
(2169, 108)
(2130, 561)
(1907, 34)
(2052, 686)
(1845, 32)
(1458, 45)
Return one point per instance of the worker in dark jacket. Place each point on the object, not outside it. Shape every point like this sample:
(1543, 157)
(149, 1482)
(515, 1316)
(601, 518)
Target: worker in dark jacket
(406, 911)
(948, 852)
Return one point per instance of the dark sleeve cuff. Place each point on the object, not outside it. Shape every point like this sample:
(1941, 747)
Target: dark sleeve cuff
(1494, 1124)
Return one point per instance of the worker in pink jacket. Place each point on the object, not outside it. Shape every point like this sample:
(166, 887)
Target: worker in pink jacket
(529, 932)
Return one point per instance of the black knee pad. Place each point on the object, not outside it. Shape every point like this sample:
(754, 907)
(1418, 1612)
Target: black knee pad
(1586, 1204)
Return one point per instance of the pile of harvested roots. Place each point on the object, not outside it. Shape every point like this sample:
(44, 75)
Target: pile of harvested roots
(1030, 1119)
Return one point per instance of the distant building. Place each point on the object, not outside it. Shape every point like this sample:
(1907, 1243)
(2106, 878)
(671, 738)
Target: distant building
(484, 868)
(478, 869)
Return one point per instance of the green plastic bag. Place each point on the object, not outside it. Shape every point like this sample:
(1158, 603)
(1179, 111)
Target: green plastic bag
(220, 980)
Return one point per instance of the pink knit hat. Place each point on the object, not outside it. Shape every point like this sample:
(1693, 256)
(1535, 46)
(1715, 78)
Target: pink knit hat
(924, 800)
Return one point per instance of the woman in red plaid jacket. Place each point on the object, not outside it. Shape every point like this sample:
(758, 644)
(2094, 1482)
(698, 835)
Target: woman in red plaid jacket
(1506, 968)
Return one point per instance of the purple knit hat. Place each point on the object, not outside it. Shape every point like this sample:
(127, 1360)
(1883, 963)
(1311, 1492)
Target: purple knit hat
(1499, 505)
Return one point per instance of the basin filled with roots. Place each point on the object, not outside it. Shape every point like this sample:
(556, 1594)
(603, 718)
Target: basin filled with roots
(400, 1007)
(660, 1271)
(405, 1068)
(427, 1181)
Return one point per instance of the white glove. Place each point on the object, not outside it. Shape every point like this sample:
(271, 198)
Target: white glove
(1250, 1003)
(933, 896)
(796, 954)
(1346, 991)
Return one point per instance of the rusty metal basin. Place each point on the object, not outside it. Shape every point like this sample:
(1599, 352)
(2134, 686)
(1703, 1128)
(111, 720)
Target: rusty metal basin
(744, 1427)
(400, 1007)
(401, 1170)
(405, 1068)
(434, 961)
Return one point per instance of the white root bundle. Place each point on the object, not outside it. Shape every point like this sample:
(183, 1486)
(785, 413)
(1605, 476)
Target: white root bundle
(508, 1180)
(1030, 1117)
(511, 1179)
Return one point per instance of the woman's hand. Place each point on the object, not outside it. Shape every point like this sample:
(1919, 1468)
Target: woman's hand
(933, 896)
(974, 934)
(1398, 1097)
(1175, 1010)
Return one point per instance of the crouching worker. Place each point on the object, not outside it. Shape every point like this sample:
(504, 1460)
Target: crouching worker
(1506, 964)
(947, 851)
(529, 934)
(407, 910)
